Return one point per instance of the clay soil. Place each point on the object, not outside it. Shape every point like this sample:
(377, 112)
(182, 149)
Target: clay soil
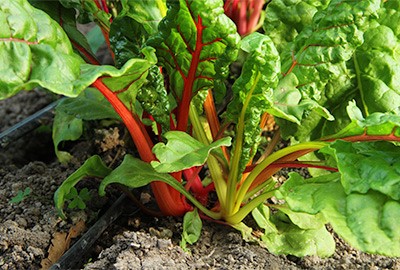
(135, 240)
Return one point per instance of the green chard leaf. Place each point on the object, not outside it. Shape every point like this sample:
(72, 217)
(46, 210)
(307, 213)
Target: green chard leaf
(147, 13)
(253, 94)
(88, 12)
(89, 105)
(68, 124)
(93, 167)
(283, 236)
(284, 20)
(319, 65)
(368, 221)
(196, 42)
(153, 97)
(134, 173)
(66, 127)
(67, 19)
(366, 166)
(137, 21)
(191, 228)
(35, 51)
(376, 126)
(183, 152)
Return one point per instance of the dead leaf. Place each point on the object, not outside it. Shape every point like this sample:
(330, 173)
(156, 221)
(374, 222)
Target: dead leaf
(60, 243)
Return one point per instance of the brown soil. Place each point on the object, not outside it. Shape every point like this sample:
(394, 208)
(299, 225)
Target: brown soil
(135, 240)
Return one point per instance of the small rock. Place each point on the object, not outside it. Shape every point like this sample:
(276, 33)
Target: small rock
(163, 243)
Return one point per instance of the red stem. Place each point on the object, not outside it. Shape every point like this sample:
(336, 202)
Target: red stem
(183, 111)
(168, 199)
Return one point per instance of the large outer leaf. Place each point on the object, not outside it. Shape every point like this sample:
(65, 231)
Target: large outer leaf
(285, 19)
(383, 126)
(367, 221)
(183, 152)
(253, 94)
(320, 61)
(369, 166)
(34, 51)
(66, 17)
(283, 236)
(196, 43)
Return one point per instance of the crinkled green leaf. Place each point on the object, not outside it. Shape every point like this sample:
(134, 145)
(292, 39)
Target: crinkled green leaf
(183, 152)
(366, 166)
(285, 19)
(127, 37)
(34, 51)
(369, 221)
(346, 54)
(191, 228)
(93, 167)
(137, 21)
(196, 42)
(253, 94)
(153, 97)
(282, 236)
(66, 127)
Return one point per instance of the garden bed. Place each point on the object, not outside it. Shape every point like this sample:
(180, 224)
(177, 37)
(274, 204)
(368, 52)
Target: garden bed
(135, 240)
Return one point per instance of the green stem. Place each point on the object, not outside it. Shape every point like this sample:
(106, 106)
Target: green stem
(266, 186)
(237, 155)
(238, 216)
(266, 162)
(212, 162)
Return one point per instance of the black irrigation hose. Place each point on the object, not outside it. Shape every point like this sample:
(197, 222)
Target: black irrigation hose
(25, 126)
(72, 258)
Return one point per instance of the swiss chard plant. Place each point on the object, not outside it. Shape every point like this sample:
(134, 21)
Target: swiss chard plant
(328, 71)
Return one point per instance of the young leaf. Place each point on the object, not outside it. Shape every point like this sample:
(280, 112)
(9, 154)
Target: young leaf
(154, 99)
(93, 167)
(183, 152)
(35, 51)
(369, 221)
(253, 95)
(191, 228)
(21, 195)
(281, 236)
(66, 127)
